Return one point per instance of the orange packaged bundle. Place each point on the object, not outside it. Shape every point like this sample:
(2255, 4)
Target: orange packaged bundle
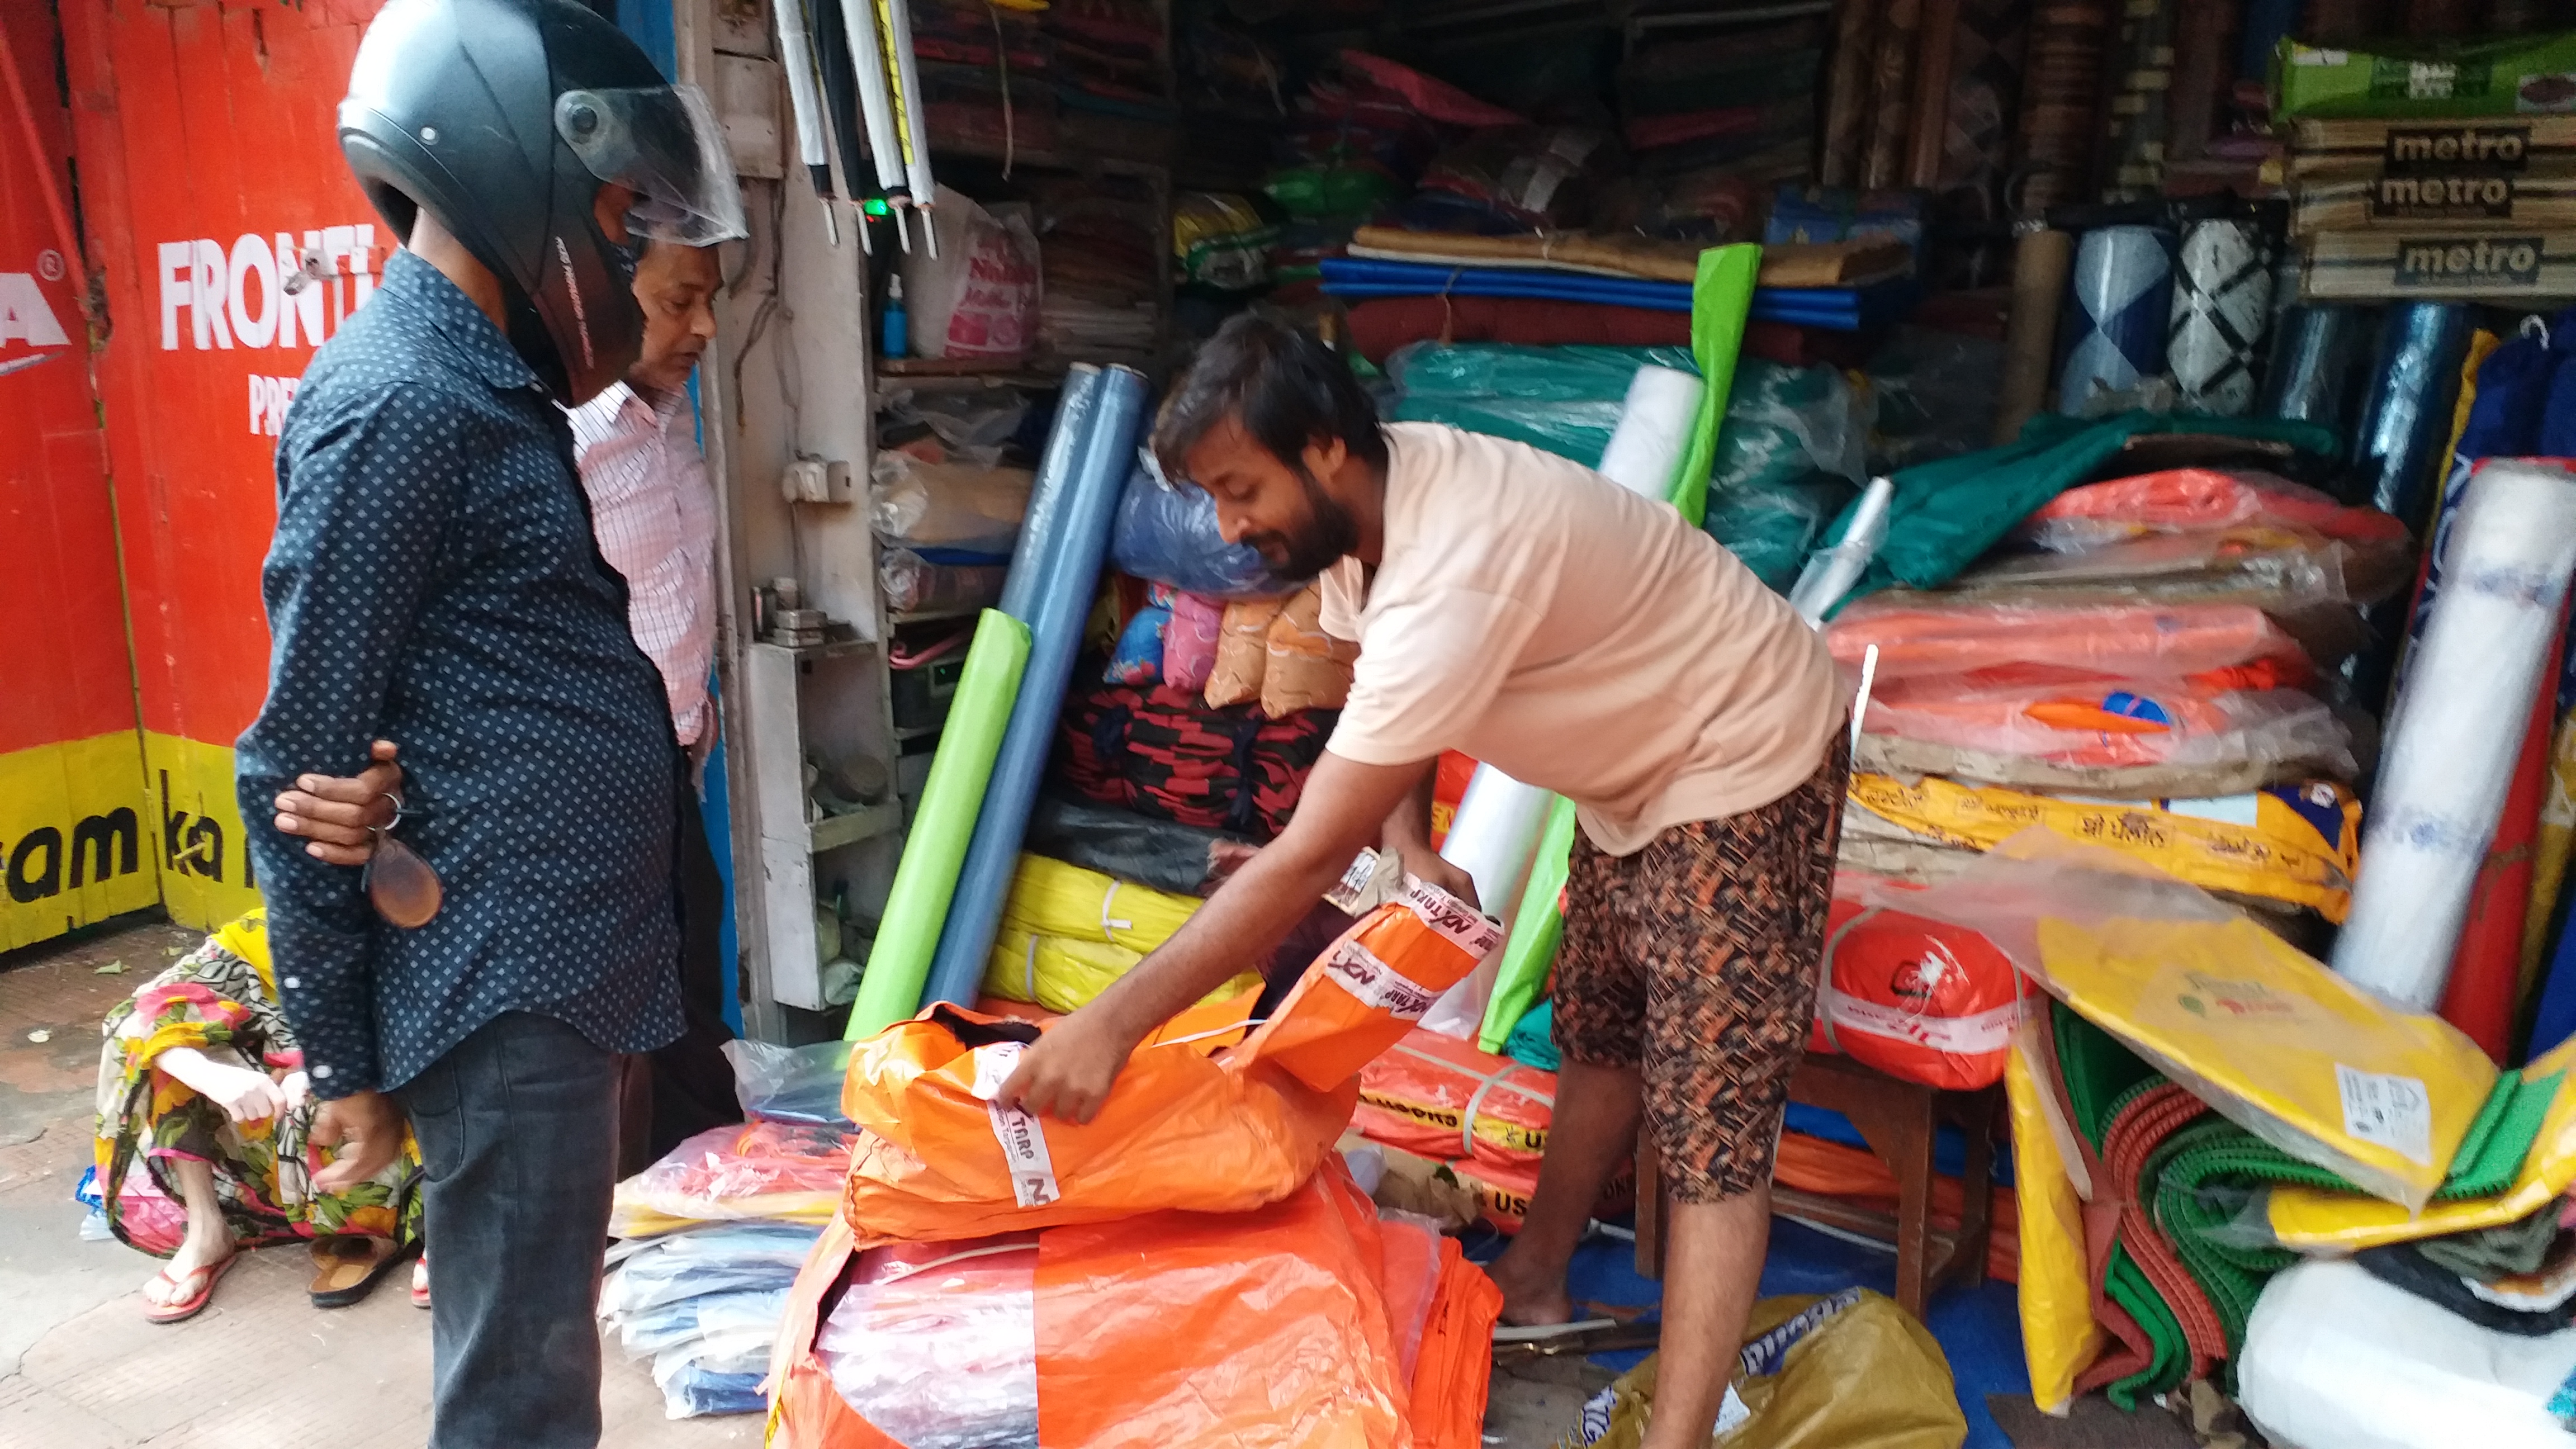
(1916, 997)
(1137, 1333)
(2264, 735)
(1918, 636)
(1440, 1097)
(2182, 500)
(1192, 1123)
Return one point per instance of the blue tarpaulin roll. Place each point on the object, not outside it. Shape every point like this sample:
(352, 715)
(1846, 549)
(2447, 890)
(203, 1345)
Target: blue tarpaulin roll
(2406, 423)
(1843, 309)
(1063, 546)
(2120, 299)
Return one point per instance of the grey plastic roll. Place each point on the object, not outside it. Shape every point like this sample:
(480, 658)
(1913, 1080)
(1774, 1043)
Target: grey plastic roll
(2406, 419)
(2221, 307)
(2320, 356)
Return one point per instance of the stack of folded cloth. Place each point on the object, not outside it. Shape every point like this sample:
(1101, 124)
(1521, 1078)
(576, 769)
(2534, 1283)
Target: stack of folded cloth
(1740, 104)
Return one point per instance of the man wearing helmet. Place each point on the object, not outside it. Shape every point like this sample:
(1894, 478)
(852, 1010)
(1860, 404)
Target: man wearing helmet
(434, 580)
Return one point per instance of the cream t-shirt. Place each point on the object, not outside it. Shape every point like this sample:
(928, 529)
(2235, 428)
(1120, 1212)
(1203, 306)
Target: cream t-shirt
(1537, 616)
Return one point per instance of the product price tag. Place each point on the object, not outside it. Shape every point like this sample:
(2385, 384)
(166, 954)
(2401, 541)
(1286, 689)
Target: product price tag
(2387, 1111)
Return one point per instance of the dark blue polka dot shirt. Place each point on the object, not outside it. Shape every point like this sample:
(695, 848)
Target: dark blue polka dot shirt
(434, 581)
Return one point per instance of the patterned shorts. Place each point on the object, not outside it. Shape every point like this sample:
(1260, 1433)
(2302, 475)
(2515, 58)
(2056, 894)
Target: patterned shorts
(1695, 959)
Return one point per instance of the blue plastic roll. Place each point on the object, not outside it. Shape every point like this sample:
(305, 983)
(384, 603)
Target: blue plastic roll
(2406, 422)
(2320, 356)
(2120, 301)
(1063, 546)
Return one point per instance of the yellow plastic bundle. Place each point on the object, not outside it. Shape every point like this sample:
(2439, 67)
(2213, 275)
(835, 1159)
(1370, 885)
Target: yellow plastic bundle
(1068, 932)
(2059, 1336)
(2294, 843)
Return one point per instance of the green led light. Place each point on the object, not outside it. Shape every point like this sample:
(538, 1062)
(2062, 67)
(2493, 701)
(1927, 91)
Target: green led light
(875, 206)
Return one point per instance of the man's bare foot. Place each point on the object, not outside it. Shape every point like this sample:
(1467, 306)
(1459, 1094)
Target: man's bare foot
(1532, 1298)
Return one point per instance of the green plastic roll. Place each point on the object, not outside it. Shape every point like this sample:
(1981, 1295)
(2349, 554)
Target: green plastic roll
(1721, 300)
(890, 990)
(1536, 928)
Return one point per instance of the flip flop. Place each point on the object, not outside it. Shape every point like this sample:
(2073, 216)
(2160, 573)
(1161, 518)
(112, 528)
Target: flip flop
(347, 1267)
(1578, 1339)
(180, 1310)
(420, 1281)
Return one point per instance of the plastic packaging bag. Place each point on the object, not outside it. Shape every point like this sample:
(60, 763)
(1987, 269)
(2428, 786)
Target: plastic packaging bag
(1164, 855)
(1053, 898)
(690, 1390)
(1915, 996)
(1563, 400)
(1189, 642)
(1919, 635)
(2180, 500)
(2294, 843)
(1136, 1333)
(789, 1084)
(1066, 973)
(1852, 1371)
(1138, 659)
(725, 1258)
(775, 1170)
(914, 582)
(2335, 1356)
(1189, 1124)
(1307, 668)
(2269, 1038)
(2166, 724)
(1219, 240)
(1440, 1097)
(1170, 534)
(976, 294)
(947, 505)
(1783, 423)
(1242, 652)
(1772, 527)
(2059, 1336)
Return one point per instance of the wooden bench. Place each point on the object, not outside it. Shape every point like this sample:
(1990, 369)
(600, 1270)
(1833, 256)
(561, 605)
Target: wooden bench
(1900, 1121)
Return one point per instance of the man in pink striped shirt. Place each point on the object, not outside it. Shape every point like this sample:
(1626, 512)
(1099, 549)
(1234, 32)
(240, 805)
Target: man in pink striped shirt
(653, 514)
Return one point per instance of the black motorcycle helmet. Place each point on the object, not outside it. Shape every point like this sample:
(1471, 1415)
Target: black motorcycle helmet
(503, 118)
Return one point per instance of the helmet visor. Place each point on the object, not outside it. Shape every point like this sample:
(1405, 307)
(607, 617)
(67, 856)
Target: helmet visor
(664, 144)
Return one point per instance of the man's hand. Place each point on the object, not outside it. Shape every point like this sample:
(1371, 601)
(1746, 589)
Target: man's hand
(1427, 866)
(364, 1131)
(1068, 1071)
(338, 815)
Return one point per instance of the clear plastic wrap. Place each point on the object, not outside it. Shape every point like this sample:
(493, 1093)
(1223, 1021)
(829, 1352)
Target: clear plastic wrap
(1162, 854)
(689, 1389)
(726, 1258)
(1564, 400)
(714, 1325)
(789, 1084)
(2267, 1037)
(786, 1171)
(946, 505)
(1919, 635)
(972, 427)
(1783, 423)
(936, 1344)
(914, 583)
(2268, 567)
(1169, 534)
(2134, 724)
(1771, 528)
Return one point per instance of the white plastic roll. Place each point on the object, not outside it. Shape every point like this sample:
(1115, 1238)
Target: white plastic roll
(2457, 729)
(1492, 838)
(1830, 574)
(1654, 427)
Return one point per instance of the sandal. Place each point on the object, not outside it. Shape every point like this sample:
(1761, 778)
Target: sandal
(199, 1283)
(347, 1267)
(420, 1281)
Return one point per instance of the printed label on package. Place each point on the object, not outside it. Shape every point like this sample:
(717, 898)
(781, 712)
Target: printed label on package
(2387, 1111)
(1022, 1135)
(1472, 930)
(1378, 985)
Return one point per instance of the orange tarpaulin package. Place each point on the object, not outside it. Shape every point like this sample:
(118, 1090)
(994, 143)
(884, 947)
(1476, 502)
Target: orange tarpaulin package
(1915, 996)
(1193, 1122)
(1440, 1097)
(2193, 499)
(1917, 635)
(1143, 1333)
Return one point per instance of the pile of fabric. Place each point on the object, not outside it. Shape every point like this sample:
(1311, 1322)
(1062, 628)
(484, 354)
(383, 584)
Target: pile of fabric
(1099, 255)
(1763, 132)
(711, 1237)
(994, 1278)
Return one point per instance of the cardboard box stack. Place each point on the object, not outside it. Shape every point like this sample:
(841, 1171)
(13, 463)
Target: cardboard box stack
(2443, 170)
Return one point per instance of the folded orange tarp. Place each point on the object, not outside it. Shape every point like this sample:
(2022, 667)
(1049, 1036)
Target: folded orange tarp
(2136, 723)
(1916, 637)
(1440, 1097)
(2190, 499)
(1812, 1164)
(1192, 1123)
(1307, 1322)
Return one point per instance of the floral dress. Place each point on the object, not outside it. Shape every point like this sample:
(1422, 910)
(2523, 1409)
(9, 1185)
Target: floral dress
(222, 1000)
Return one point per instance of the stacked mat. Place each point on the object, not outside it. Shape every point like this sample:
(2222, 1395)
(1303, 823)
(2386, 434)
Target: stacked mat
(1837, 309)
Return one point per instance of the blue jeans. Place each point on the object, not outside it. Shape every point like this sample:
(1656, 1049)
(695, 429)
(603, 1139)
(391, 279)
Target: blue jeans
(518, 1131)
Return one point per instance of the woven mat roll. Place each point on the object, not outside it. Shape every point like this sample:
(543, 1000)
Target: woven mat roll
(2122, 290)
(1891, 94)
(2222, 304)
(2204, 73)
(1847, 92)
(2062, 101)
(2140, 119)
(2041, 260)
(1988, 48)
(1928, 127)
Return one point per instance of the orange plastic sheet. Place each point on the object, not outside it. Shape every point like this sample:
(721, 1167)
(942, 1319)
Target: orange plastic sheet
(2193, 499)
(1917, 636)
(1442, 1098)
(1307, 1322)
(1812, 1164)
(2173, 723)
(1193, 1122)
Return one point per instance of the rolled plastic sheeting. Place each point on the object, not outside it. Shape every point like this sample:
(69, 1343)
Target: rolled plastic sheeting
(1654, 428)
(926, 878)
(2318, 355)
(2458, 729)
(1062, 550)
(1530, 951)
(1831, 573)
(2222, 303)
(2406, 423)
(1721, 303)
(1496, 829)
(2122, 296)
(2041, 262)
